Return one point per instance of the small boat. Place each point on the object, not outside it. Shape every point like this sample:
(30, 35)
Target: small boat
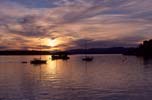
(60, 56)
(65, 58)
(38, 61)
(24, 62)
(55, 57)
(87, 58)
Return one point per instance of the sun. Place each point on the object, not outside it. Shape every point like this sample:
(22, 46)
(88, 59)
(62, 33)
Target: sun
(51, 42)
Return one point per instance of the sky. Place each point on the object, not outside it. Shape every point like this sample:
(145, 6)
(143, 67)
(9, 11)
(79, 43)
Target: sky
(69, 24)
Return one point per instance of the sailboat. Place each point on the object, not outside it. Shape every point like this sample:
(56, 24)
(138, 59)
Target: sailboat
(87, 58)
(38, 61)
(60, 55)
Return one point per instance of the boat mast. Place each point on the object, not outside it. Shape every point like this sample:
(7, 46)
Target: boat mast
(85, 48)
(40, 48)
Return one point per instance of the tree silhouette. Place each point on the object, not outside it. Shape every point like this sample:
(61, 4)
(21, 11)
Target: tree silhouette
(145, 49)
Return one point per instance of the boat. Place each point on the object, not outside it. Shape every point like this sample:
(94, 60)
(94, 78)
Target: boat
(65, 58)
(60, 56)
(55, 57)
(38, 61)
(24, 62)
(87, 58)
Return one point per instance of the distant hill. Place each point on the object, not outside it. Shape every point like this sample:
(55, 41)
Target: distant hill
(24, 52)
(113, 50)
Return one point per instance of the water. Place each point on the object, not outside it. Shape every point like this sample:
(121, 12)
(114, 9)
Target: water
(108, 77)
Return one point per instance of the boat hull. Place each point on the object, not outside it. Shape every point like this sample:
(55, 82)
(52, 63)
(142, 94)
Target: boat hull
(87, 59)
(38, 62)
(63, 57)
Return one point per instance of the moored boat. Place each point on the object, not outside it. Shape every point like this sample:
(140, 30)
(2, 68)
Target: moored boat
(60, 56)
(87, 58)
(38, 61)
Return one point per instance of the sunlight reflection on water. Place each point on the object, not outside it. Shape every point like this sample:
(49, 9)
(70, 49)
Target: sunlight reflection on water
(108, 77)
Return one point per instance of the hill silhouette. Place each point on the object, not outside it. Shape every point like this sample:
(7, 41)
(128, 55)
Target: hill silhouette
(24, 52)
(113, 50)
(144, 49)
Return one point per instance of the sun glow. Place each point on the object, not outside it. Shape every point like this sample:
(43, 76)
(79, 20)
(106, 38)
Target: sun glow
(54, 44)
(51, 42)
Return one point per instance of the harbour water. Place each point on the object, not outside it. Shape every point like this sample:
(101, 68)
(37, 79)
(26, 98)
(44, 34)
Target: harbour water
(108, 77)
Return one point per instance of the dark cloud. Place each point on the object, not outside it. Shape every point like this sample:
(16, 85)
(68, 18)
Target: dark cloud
(82, 14)
(130, 41)
(35, 47)
(109, 3)
(34, 3)
(143, 16)
(4, 47)
(26, 26)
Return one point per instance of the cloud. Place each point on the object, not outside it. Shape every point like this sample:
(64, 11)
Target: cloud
(28, 27)
(108, 22)
(3, 47)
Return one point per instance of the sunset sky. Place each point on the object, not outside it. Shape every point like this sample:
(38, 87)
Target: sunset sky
(67, 24)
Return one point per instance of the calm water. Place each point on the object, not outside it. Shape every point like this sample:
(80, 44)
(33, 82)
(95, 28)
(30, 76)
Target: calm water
(108, 77)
